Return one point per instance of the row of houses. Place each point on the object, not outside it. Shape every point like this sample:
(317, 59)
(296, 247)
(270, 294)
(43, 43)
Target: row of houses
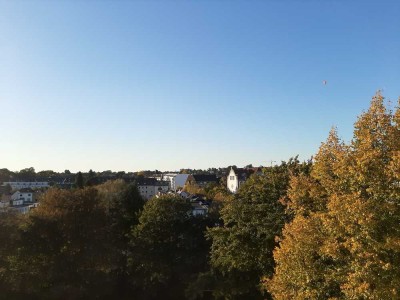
(23, 195)
(150, 187)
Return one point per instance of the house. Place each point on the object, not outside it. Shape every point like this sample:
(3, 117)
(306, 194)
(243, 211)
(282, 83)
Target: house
(237, 176)
(202, 180)
(25, 194)
(199, 209)
(150, 187)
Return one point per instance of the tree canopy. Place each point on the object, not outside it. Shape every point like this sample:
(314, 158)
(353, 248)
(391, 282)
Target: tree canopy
(344, 241)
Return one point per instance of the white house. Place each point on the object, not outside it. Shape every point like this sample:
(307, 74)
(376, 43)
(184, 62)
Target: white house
(17, 202)
(237, 177)
(150, 187)
(26, 195)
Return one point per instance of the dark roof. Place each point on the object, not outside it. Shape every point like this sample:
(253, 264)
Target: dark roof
(205, 178)
(25, 190)
(146, 181)
(151, 181)
(243, 173)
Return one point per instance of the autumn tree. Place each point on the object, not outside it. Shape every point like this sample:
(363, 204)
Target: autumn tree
(64, 247)
(344, 240)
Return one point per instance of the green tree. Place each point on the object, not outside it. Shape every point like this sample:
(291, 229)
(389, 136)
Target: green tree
(8, 189)
(26, 174)
(6, 175)
(9, 241)
(168, 248)
(46, 173)
(79, 180)
(122, 203)
(242, 248)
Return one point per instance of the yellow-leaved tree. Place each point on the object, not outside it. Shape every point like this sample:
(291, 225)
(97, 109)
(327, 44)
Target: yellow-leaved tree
(344, 240)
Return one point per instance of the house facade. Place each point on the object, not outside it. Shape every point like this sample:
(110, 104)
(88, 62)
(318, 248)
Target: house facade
(150, 187)
(22, 201)
(237, 176)
(26, 195)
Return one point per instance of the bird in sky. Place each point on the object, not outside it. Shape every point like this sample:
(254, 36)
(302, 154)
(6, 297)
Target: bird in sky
(324, 82)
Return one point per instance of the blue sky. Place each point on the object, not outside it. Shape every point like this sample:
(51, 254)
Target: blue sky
(133, 85)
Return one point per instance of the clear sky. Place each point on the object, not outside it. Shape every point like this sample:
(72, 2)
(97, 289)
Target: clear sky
(133, 85)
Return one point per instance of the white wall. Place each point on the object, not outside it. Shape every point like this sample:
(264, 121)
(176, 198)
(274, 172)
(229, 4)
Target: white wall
(25, 196)
(149, 191)
(232, 182)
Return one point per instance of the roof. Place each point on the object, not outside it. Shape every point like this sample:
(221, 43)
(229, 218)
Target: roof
(180, 179)
(198, 206)
(146, 181)
(151, 181)
(25, 190)
(205, 178)
(243, 173)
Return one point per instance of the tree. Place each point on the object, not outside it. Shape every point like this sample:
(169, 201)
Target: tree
(6, 175)
(8, 189)
(63, 247)
(26, 174)
(168, 248)
(79, 180)
(46, 173)
(9, 240)
(122, 202)
(350, 209)
(241, 250)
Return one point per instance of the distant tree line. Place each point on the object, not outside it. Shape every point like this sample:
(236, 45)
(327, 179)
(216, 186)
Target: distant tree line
(91, 177)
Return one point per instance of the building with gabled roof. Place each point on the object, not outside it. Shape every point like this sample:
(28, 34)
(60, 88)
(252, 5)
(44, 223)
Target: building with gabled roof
(237, 176)
(150, 187)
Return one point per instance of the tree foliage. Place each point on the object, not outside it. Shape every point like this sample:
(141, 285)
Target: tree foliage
(61, 254)
(79, 180)
(168, 248)
(241, 250)
(344, 241)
